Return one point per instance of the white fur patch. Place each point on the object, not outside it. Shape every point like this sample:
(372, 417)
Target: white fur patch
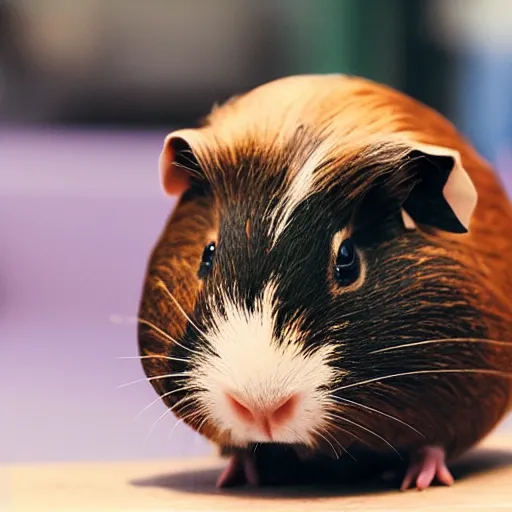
(253, 366)
(300, 188)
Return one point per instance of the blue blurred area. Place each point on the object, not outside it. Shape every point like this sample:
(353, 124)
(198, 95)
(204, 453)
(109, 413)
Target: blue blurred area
(484, 104)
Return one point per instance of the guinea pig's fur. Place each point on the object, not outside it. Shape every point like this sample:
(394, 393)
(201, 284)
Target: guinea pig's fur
(416, 351)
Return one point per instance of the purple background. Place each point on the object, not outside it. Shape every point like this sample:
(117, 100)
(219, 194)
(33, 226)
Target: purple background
(79, 214)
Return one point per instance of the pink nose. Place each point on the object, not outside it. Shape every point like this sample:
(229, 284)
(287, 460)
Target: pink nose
(265, 418)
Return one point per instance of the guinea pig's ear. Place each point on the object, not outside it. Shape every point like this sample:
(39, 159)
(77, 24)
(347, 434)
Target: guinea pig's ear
(444, 195)
(178, 162)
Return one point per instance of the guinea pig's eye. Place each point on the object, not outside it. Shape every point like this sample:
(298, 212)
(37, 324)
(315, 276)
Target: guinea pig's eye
(346, 268)
(206, 260)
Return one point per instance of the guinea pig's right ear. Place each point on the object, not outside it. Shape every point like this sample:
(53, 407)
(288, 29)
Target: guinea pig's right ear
(178, 161)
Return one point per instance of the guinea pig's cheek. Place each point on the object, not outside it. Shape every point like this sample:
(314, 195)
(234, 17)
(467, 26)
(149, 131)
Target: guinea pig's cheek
(259, 388)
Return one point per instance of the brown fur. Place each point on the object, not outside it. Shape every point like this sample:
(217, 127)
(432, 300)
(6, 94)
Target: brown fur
(352, 117)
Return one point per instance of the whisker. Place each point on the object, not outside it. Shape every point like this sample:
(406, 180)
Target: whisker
(331, 436)
(344, 431)
(362, 427)
(346, 400)
(333, 418)
(336, 441)
(483, 371)
(444, 340)
(165, 413)
(156, 377)
(181, 420)
(160, 418)
(167, 337)
(203, 422)
(178, 305)
(182, 401)
(156, 356)
(161, 397)
(341, 446)
(328, 442)
(192, 414)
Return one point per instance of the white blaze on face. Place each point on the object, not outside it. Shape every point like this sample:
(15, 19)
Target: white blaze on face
(253, 366)
(300, 188)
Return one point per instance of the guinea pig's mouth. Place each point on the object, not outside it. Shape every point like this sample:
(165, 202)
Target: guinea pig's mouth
(264, 413)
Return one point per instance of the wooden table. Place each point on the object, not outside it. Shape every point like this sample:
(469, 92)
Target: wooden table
(484, 483)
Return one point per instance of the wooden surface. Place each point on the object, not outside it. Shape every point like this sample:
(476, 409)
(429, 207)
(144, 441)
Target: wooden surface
(483, 483)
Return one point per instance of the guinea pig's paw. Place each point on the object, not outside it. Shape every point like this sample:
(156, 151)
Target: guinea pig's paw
(240, 470)
(425, 465)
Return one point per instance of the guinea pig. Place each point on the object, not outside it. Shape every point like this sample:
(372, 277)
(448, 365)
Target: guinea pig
(336, 275)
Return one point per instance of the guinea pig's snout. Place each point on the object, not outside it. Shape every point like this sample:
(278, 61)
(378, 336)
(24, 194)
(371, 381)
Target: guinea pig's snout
(266, 418)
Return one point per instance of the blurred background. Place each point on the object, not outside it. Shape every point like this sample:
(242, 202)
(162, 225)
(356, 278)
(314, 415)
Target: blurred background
(88, 90)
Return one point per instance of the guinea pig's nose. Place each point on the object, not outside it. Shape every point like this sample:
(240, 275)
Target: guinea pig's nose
(264, 417)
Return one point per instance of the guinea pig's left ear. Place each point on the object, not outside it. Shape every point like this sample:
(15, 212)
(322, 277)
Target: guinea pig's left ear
(178, 162)
(444, 195)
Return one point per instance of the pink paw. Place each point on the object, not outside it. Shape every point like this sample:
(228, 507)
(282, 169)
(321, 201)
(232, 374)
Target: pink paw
(425, 465)
(239, 471)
